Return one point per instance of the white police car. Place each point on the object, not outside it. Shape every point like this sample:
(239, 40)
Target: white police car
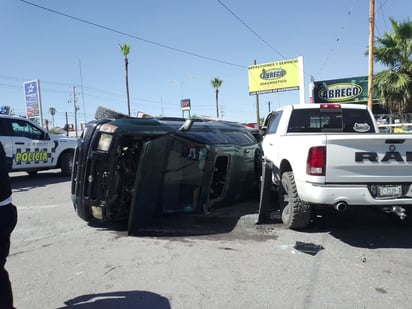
(30, 148)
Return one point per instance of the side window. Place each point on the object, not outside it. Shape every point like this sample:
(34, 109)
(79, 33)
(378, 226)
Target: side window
(305, 120)
(183, 176)
(274, 122)
(5, 127)
(357, 121)
(26, 129)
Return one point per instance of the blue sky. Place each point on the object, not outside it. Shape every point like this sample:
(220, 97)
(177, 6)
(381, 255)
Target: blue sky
(177, 48)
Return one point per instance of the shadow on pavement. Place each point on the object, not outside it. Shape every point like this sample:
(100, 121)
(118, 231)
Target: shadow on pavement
(364, 227)
(220, 221)
(121, 299)
(23, 182)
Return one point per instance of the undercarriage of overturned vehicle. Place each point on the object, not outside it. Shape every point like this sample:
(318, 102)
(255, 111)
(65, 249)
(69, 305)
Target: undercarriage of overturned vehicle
(112, 180)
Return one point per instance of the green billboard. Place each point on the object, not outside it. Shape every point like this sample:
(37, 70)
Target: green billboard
(345, 90)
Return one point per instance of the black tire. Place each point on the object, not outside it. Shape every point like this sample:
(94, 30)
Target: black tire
(103, 112)
(66, 163)
(295, 213)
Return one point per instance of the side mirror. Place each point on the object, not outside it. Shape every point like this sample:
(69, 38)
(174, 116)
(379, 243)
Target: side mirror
(186, 125)
(263, 130)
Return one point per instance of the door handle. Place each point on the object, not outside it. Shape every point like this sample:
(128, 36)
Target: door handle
(19, 143)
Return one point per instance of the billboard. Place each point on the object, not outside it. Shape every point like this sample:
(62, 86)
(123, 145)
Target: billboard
(274, 76)
(185, 104)
(344, 90)
(32, 100)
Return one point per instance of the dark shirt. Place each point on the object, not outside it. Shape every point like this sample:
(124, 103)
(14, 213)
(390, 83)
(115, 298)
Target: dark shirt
(5, 187)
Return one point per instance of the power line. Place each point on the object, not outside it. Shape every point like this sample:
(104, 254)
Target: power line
(380, 9)
(54, 87)
(251, 30)
(132, 36)
(338, 38)
(255, 33)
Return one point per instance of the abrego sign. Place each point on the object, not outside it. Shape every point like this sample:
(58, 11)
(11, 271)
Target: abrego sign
(272, 74)
(340, 92)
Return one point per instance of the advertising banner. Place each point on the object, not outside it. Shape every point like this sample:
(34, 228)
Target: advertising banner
(345, 90)
(32, 100)
(274, 76)
(185, 104)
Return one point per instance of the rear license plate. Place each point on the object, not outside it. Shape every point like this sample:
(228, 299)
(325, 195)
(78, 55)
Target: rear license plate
(389, 191)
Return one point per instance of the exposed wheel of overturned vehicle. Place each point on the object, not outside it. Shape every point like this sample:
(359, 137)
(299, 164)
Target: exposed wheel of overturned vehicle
(295, 213)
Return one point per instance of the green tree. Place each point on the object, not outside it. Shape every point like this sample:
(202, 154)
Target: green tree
(216, 83)
(125, 49)
(394, 50)
(52, 112)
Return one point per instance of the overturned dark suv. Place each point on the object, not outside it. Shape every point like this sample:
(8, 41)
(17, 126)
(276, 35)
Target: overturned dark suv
(134, 169)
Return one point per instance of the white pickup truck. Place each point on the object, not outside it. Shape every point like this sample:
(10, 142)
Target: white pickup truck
(320, 155)
(30, 148)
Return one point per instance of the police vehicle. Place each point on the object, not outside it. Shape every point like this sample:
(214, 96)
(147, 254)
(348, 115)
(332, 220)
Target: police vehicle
(30, 148)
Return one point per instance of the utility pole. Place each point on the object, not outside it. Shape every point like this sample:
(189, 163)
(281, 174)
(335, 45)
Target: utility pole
(257, 107)
(76, 108)
(67, 125)
(222, 112)
(268, 106)
(371, 38)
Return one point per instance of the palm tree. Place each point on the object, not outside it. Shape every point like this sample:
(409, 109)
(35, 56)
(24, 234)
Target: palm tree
(125, 48)
(216, 83)
(394, 51)
(52, 112)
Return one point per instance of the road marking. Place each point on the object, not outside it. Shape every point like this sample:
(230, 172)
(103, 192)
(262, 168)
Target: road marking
(35, 207)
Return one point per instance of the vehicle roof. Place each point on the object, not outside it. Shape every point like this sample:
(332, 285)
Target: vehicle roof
(318, 105)
(13, 116)
(19, 118)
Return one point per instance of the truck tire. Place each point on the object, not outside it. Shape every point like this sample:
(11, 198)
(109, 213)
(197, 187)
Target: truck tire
(66, 163)
(295, 213)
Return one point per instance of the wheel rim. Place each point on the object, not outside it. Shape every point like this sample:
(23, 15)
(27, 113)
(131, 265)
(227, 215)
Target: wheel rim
(285, 202)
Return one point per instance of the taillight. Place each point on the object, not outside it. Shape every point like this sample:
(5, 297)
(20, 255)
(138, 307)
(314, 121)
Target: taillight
(330, 106)
(316, 162)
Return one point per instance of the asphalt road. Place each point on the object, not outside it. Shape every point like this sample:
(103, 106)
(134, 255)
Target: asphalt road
(355, 259)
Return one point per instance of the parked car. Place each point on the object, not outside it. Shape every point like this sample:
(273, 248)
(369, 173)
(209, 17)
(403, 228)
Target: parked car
(333, 155)
(32, 149)
(135, 169)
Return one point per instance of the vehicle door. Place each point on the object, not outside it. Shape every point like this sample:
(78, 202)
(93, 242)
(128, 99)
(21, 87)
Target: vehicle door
(270, 139)
(170, 179)
(6, 140)
(32, 147)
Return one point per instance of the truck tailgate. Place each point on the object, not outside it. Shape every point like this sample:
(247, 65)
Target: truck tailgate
(371, 158)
